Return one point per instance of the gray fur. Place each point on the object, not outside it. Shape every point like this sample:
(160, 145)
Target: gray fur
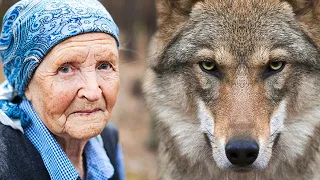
(241, 37)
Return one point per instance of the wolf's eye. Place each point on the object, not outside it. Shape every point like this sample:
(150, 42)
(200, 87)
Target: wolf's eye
(273, 68)
(210, 68)
(207, 65)
(276, 66)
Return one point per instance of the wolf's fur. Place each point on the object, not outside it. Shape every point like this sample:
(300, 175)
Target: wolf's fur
(198, 112)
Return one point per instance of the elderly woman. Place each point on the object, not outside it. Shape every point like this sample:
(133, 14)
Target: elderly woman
(60, 59)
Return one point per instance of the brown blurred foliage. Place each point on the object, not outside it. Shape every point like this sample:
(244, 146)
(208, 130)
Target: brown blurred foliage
(132, 17)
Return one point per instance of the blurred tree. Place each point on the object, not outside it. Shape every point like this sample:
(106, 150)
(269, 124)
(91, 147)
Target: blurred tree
(133, 17)
(4, 5)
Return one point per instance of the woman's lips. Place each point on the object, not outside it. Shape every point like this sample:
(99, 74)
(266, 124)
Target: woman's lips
(86, 112)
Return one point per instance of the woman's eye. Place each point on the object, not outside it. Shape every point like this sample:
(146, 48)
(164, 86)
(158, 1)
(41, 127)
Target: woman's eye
(104, 66)
(65, 69)
(207, 65)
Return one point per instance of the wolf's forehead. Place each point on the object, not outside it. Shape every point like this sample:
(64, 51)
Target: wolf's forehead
(243, 30)
(243, 22)
(260, 56)
(245, 8)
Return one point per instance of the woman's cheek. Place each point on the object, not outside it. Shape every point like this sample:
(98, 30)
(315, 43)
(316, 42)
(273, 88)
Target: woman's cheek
(63, 94)
(110, 91)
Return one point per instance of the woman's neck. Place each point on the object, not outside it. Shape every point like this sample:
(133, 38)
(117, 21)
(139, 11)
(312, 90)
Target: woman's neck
(74, 151)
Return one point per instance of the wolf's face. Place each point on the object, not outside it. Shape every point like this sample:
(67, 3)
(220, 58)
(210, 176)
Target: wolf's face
(246, 74)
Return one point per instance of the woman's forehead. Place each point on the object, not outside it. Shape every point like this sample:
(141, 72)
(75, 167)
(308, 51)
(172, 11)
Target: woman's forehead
(100, 45)
(90, 36)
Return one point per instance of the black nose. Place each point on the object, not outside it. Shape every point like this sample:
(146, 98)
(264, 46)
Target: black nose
(242, 152)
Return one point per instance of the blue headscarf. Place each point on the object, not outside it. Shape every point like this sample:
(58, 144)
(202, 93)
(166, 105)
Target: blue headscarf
(31, 28)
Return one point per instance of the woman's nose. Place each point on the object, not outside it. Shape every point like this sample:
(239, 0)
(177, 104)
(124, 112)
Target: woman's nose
(90, 89)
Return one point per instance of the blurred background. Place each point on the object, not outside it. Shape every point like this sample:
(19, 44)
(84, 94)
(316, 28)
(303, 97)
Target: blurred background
(137, 22)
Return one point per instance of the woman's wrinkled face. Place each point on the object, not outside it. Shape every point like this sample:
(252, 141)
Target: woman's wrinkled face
(75, 87)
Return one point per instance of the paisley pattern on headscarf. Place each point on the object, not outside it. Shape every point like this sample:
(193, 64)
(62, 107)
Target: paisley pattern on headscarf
(31, 28)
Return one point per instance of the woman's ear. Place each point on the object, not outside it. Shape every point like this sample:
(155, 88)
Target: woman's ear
(28, 94)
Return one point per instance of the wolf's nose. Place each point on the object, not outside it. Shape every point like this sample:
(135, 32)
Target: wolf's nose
(242, 152)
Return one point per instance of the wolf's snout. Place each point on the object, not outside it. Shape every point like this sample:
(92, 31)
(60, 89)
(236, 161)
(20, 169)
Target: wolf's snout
(242, 152)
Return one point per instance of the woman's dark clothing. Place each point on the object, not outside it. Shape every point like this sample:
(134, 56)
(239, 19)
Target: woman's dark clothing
(19, 159)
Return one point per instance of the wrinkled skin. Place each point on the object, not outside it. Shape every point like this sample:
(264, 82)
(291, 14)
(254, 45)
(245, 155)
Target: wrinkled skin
(75, 87)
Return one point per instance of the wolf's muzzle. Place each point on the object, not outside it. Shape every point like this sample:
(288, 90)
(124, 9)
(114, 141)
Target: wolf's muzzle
(242, 152)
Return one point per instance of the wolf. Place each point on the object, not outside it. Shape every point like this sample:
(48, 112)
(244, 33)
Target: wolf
(234, 86)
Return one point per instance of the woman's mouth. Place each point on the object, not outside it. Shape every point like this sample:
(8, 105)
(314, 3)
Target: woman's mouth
(87, 112)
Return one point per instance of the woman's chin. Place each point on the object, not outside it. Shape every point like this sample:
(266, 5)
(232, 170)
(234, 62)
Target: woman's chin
(85, 131)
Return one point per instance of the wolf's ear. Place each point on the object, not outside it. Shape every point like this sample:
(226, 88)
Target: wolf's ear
(308, 14)
(174, 11)
(171, 14)
(303, 7)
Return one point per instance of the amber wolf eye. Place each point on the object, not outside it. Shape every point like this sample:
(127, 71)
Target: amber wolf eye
(273, 68)
(276, 66)
(210, 68)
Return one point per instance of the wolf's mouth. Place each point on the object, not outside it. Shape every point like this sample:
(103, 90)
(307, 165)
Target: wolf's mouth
(242, 170)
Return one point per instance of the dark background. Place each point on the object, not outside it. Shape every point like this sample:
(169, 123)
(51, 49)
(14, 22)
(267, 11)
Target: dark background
(137, 22)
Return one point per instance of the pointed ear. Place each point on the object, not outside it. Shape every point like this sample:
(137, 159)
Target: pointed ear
(171, 15)
(303, 7)
(308, 14)
(174, 11)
